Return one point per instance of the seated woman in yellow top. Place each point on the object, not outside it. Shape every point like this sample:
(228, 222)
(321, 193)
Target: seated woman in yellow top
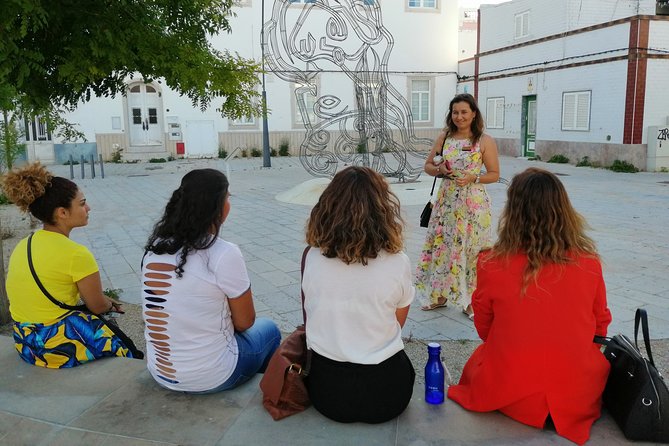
(46, 334)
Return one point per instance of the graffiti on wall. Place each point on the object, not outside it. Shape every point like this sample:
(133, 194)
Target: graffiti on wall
(375, 126)
(663, 134)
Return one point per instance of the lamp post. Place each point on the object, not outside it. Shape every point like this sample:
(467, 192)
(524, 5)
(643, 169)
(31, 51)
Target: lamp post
(266, 161)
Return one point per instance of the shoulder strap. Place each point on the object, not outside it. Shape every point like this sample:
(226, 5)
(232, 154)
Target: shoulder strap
(642, 316)
(304, 259)
(441, 152)
(433, 184)
(41, 287)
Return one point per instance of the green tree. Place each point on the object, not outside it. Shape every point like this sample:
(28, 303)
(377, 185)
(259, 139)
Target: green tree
(58, 53)
(55, 54)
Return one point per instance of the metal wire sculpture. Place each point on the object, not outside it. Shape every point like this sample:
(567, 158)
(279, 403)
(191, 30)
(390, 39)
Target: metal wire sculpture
(343, 36)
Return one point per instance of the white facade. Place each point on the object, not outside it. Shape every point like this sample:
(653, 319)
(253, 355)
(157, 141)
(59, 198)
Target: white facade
(418, 38)
(575, 78)
(467, 32)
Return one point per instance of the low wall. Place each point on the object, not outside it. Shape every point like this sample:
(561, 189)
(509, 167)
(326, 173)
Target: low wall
(603, 154)
(62, 152)
(229, 141)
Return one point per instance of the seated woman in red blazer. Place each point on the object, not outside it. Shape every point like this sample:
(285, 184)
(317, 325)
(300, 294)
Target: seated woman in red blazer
(539, 302)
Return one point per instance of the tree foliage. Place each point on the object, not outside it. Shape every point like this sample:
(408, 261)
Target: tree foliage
(57, 53)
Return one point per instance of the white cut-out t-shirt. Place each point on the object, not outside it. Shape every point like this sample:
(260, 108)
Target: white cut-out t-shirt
(190, 343)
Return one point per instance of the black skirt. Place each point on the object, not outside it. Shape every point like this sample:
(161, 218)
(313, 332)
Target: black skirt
(347, 392)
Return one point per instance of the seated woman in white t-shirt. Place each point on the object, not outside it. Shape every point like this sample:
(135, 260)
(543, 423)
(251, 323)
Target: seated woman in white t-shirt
(202, 335)
(357, 284)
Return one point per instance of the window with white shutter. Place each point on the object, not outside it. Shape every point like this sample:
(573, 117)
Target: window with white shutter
(576, 110)
(420, 100)
(495, 113)
(522, 25)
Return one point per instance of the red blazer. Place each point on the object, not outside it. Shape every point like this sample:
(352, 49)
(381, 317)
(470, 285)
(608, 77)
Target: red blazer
(538, 355)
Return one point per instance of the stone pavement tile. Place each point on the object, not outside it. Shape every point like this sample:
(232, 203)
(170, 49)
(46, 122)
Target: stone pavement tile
(284, 264)
(449, 424)
(19, 431)
(309, 428)
(416, 330)
(293, 319)
(260, 286)
(280, 302)
(260, 266)
(279, 278)
(285, 326)
(56, 396)
(125, 281)
(130, 294)
(419, 315)
(452, 325)
(116, 266)
(144, 410)
(294, 289)
(67, 437)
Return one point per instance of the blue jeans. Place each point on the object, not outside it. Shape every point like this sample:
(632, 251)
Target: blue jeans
(256, 346)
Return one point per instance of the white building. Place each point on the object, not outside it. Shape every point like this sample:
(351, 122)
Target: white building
(467, 32)
(578, 78)
(365, 68)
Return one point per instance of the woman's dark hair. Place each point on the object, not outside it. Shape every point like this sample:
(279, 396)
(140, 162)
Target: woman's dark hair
(539, 221)
(34, 189)
(356, 216)
(192, 217)
(477, 123)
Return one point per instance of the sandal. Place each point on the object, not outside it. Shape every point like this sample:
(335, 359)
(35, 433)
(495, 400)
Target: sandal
(434, 306)
(469, 312)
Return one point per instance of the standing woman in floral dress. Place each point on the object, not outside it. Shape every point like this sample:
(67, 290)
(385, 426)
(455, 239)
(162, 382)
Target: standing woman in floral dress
(460, 225)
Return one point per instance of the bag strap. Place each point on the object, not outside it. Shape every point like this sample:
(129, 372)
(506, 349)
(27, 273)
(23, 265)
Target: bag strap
(304, 259)
(642, 316)
(435, 177)
(433, 184)
(601, 340)
(41, 287)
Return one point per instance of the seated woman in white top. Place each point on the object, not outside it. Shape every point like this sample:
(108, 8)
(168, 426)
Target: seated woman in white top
(358, 287)
(202, 335)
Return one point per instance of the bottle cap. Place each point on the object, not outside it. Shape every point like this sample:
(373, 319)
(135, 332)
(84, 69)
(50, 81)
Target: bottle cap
(433, 346)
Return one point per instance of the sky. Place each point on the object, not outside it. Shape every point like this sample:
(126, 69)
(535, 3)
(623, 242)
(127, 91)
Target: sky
(476, 3)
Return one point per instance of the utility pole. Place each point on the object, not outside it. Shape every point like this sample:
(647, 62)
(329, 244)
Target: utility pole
(266, 161)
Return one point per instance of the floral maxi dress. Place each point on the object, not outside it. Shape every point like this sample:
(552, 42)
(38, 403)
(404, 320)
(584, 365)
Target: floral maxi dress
(459, 228)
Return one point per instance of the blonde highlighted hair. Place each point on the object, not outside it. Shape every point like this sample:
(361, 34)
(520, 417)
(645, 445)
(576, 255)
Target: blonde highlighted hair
(539, 221)
(356, 217)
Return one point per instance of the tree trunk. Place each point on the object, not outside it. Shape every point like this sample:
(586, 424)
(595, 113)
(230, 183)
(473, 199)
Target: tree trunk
(4, 302)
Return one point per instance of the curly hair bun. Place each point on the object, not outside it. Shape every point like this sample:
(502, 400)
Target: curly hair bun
(24, 185)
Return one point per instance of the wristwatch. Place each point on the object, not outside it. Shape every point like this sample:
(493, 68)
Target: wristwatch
(478, 179)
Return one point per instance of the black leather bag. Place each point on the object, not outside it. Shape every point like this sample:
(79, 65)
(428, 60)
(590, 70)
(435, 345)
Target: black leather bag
(636, 395)
(425, 215)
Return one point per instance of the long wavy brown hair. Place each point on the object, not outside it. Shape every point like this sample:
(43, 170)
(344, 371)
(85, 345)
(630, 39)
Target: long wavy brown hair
(539, 221)
(477, 124)
(356, 217)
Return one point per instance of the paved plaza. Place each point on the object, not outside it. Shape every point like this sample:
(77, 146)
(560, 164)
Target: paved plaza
(628, 214)
(116, 402)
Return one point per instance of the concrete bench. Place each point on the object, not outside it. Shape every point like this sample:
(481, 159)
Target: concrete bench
(115, 401)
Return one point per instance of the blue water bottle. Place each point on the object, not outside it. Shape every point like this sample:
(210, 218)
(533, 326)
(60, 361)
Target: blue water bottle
(434, 375)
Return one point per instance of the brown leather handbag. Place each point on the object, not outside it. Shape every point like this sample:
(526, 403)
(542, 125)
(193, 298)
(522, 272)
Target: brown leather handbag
(282, 385)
